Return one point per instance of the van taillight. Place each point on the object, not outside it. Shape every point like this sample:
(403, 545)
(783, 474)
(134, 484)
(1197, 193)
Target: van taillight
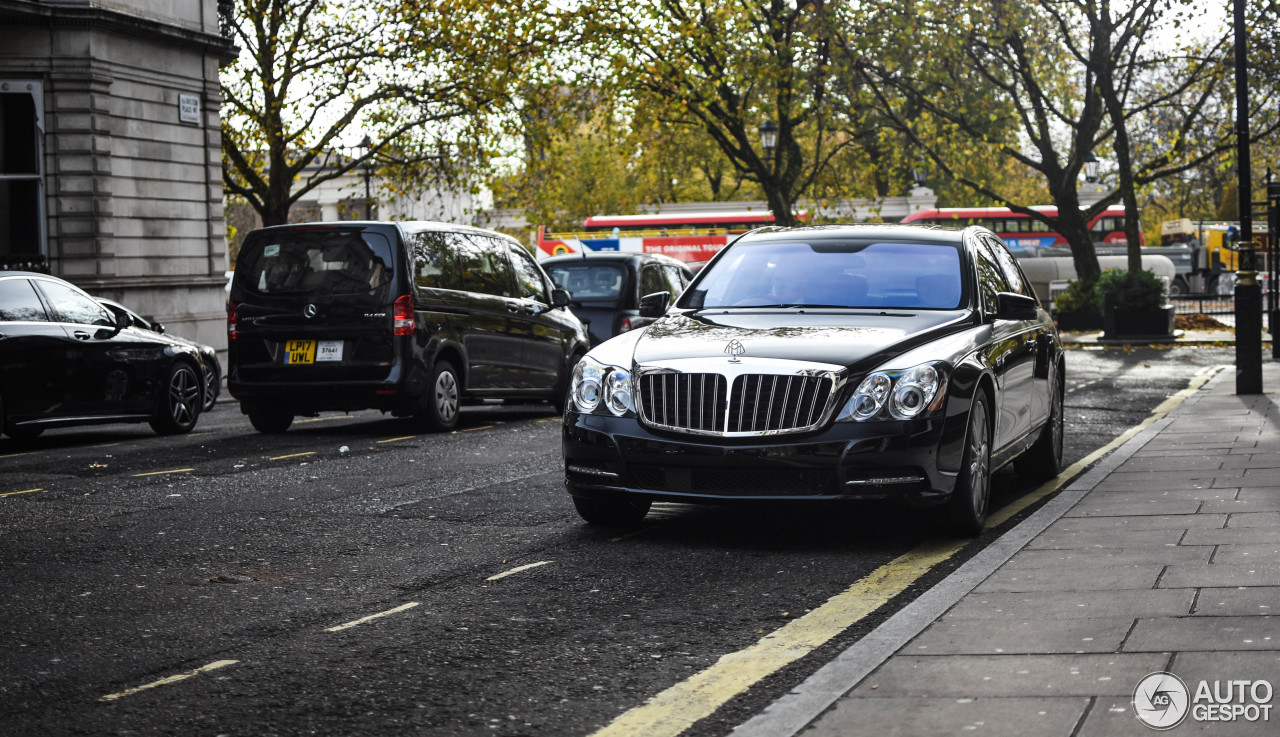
(402, 315)
(625, 325)
(232, 320)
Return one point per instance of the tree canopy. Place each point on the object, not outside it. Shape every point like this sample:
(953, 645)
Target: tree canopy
(420, 79)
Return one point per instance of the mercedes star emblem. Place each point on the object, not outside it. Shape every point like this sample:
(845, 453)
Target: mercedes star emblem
(309, 311)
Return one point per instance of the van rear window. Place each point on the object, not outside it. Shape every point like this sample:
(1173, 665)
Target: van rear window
(318, 263)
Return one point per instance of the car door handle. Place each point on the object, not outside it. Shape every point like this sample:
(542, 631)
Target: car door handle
(81, 335)
(513, 307)
(530, 309)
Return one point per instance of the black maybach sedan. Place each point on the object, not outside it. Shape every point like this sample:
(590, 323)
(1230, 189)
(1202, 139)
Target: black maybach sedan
(839, 362)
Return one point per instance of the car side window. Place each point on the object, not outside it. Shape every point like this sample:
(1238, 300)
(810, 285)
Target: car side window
(529, 283)
(1009, 267)
(19, 302)
(484, 265)
(72, 306)
(652, 279)
(677, 278)
(435, 263)
(990, 280)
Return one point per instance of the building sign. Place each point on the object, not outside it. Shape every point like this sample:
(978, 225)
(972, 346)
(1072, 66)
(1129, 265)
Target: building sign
(189, 109)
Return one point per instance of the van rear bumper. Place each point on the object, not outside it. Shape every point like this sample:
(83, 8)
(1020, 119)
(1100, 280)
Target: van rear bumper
(398, 391)
(332, 397)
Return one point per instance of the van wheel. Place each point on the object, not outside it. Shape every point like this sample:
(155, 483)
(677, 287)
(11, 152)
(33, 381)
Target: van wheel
(440, 404)
(560, 401)
(270, 421)
(180, 401)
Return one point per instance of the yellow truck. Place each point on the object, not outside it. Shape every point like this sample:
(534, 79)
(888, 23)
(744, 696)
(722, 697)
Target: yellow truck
(1213, 246)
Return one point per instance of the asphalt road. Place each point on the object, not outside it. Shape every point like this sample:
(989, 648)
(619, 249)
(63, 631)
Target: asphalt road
(128, 559)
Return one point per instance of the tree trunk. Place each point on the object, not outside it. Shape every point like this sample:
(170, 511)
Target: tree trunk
(1124, 158)
(1073, 226)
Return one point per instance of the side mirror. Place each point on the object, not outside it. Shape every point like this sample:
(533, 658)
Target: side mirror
(559, 298)
(121, 321)
(158, 327)
(1012, 306)
(655, 305)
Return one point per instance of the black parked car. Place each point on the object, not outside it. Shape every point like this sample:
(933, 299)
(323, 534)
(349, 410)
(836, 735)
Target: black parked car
(412, 318)
(605, 287)
(822, 363)
(67, 360)
(208, 356)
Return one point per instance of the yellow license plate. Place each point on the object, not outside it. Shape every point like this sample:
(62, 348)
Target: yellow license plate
(300, 352)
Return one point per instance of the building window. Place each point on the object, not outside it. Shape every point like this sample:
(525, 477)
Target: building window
(21, 176)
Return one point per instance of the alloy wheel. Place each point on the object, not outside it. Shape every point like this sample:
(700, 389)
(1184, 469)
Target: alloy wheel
(185, 396)
(979, 460)
(446, 396)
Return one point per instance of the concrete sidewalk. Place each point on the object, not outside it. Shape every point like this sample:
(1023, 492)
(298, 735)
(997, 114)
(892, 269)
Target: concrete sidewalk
(1179, 337)
(1163, 557)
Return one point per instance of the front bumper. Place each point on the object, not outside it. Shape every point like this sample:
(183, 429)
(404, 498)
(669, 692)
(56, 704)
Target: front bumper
(915, 460)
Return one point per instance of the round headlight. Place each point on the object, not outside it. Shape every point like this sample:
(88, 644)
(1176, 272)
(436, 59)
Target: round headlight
(914, 392)
(617, 392)
(587, 387)
(869, 399)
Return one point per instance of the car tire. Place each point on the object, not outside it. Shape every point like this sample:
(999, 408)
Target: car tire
(1043, 460)
(560, 402)
(180, 401)
(270, 421)
(439, 409)
(212, 385)
(611, 512)
(23, 433)
(965, 513)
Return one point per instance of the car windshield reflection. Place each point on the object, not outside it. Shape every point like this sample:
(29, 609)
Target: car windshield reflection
(833, 274)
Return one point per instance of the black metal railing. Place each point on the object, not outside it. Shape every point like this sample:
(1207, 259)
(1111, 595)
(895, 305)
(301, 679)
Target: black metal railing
(1204, 304)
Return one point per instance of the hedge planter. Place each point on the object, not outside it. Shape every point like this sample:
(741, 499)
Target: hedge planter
(1083, 321)
(1156, 323)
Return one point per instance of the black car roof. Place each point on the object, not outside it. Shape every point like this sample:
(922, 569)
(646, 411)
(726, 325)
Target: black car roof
(614, 256)
(888, 231)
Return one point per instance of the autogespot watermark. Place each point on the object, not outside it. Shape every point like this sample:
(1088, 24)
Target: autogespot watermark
(1162, 701)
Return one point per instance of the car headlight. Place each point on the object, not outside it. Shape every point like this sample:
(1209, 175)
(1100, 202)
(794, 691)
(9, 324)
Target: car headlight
(617, 392)
(914, 391)
(898, 395)
(588, 378)
(595, 383)
(868, 400)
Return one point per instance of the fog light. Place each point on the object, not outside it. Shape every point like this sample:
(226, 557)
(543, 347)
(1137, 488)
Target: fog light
(589, 471)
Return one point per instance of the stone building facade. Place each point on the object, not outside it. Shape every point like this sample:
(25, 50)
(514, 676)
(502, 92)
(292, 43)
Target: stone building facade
(110, 152)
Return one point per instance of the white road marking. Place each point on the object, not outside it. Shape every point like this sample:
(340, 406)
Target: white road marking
(517, 569)
(372, 617)
(171, 679)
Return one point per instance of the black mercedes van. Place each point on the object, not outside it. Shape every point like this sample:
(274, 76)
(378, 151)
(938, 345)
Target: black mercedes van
(411, 318)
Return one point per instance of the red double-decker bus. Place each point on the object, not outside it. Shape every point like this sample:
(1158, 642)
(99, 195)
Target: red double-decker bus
(686, 236)
(1022, 232)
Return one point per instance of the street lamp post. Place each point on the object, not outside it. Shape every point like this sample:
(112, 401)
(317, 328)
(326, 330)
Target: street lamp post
(769, 141)
(919, 174)
(1090, 168)
(1248, 292)
(366, 144)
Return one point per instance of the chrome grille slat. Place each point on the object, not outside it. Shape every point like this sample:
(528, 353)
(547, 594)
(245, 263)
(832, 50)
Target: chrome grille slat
(734, 405)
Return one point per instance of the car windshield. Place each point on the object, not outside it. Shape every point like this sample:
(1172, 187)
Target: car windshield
(589, 281)
(832, 273)
(318, 263)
